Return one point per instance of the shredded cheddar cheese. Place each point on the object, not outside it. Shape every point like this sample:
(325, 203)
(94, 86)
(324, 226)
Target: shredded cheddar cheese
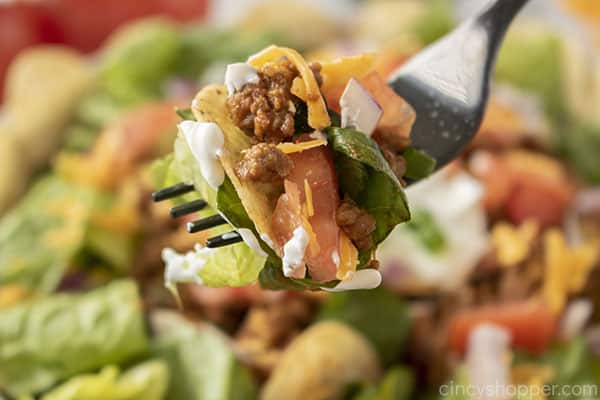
(566, 268)
(318, 117)
(532, 375)
(288, 148)
(310, 209)
(513, 244)
(348, 258)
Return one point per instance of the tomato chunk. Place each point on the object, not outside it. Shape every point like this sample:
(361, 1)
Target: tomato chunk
(532, 325)
(315, 166)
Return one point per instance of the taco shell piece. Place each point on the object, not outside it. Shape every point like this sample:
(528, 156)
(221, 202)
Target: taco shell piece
(210, 106)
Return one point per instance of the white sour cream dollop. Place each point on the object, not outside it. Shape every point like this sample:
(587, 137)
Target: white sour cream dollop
(239, 74)
(206, 142)
(185, 267)
(487, 359)
(362, 279)
(293, 254)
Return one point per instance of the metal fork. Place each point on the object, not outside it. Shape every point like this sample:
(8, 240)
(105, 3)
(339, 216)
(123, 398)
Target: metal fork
(448, 86)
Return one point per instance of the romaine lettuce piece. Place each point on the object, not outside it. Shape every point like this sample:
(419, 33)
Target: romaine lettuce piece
(146, 381)
(200, 361)
(137, 59)
(45, 341)
(42, 234)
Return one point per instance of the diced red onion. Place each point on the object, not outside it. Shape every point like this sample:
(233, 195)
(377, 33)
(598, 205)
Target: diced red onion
(575, 317)
(360, 111)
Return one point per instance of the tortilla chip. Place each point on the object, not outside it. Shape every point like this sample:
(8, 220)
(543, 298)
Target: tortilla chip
(258, 198)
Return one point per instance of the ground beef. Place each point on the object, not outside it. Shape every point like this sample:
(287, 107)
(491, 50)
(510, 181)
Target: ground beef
(396, 161)
(263, 162)
(265, 110)
(356, 223)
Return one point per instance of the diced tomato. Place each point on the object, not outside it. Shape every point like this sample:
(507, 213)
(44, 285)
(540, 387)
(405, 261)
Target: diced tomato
(398, 116)
(536, 199)
(316, 167)
(287, 215)
(523, 186)
(86, 23)
(532, 325)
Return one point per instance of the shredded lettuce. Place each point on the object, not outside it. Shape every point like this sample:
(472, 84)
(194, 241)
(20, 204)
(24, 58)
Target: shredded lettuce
(201, 363)
(45, 341)
(146, 381)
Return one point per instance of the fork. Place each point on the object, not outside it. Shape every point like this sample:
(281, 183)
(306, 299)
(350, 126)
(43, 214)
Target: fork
(447, 84)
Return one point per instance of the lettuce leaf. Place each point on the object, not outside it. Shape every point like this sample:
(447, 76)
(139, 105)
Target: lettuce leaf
(43, 342)
(146, 381)
(233, 265)
(397, 384)
(41, 236)
(202, 365)
(138, 58)
(367, 178)
(381, 317)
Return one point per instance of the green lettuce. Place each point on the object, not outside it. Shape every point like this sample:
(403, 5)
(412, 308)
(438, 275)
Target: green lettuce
(50, 228)
(138, 58)
(380, 316)
(582, 146)
(146, 381)
(397, 384)
(43, 342)
(435, 22)
(39, 239)
(531, 59)
(201, 362)
(233, 265)
(367, 178)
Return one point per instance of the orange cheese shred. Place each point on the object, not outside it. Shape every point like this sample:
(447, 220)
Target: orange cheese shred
(348, 258)
(318, 118)
(288, 147)
(310, 209)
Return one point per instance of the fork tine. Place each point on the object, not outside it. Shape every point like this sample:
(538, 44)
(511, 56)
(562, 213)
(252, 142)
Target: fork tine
(205, 223)
(187, 208)
(224, 240)
(172, 191)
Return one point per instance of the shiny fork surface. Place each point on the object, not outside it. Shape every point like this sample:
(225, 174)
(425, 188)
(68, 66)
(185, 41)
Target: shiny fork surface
(448, 82)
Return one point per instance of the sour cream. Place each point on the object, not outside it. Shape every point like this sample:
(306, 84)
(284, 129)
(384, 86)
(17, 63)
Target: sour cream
(251, 241)
(239, 74)
(488, 361)
(293, 254)
(185, 267)
(361, 279)
(206, 142)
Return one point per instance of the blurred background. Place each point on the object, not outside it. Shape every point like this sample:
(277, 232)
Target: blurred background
(496, 278)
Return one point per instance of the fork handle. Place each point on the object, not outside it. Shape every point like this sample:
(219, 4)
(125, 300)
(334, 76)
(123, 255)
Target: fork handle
(496, 18)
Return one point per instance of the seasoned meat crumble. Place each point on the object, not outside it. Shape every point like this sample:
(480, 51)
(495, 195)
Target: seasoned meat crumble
(356, 223)
(263, 162)
(265, 110)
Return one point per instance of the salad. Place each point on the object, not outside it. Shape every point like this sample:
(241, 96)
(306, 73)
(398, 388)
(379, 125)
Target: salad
(489, 290)
(310, 192)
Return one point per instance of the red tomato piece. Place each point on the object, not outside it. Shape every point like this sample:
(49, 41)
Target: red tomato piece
(532, 325)
(316, 167)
